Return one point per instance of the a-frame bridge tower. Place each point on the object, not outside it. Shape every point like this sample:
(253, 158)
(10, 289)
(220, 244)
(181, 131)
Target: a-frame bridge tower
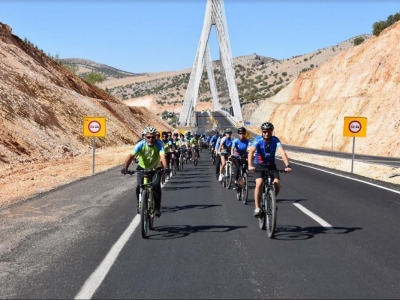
(215, 15)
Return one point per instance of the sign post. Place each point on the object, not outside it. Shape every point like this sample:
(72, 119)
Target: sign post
(94, 127)
(354, 127)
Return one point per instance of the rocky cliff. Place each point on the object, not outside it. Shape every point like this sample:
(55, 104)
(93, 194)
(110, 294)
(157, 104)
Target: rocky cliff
(362, 81)
(42, 106)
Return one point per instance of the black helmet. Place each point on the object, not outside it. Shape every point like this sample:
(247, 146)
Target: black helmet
(267, 126)
(242, 130)
(228, 130)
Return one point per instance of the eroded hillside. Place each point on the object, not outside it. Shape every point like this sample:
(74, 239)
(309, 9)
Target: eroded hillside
(362, 81)
(42, 106)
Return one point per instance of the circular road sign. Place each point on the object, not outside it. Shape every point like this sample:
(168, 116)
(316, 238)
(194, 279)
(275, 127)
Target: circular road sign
(355, 126)
(94, 126)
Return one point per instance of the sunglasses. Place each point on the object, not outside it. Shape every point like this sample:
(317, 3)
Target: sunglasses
(150, 137)
(266, 131)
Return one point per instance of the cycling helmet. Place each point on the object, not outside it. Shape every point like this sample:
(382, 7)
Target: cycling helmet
(241, 130)
(188, 133)
(228, 130)
(267, 126)
(150, 130)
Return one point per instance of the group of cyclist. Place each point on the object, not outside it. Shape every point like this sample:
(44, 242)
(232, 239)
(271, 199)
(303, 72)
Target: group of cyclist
(260, 152)
(153, 153)
(156, 154)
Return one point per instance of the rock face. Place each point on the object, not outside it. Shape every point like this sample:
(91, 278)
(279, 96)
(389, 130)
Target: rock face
(363, 81)
(42, 106)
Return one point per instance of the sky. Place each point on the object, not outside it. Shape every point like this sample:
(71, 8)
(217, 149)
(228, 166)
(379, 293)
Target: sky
(145, 36)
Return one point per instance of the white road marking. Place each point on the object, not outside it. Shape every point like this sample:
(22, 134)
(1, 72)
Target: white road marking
(97, 277)
(313, 216)
(375, 185)
(93, 282)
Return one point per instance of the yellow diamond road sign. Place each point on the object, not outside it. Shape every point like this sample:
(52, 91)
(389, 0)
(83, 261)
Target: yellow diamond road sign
(355, 126)
(94, 126)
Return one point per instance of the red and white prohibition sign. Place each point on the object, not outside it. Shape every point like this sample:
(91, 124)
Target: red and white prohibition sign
(355, 126)
(94, 127)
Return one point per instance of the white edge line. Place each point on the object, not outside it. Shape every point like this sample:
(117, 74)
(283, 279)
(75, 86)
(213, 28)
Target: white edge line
(313, 216)
(375, 185)
(97, 277)
(93, 282)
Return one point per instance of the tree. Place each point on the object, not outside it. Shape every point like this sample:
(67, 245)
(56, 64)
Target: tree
(93, 77)
(358, 40)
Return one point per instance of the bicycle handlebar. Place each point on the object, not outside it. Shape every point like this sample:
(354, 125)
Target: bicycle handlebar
(265, 169)
(131, 172)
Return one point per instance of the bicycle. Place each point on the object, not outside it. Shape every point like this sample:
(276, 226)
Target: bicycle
(227, 180)
(243, 179)
(181, 158)
(213, 156)
(195, 156)
(146, 200)
(268, 206)
(172, 165)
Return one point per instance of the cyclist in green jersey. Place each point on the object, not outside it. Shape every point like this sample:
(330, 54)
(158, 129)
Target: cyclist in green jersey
(151, 155)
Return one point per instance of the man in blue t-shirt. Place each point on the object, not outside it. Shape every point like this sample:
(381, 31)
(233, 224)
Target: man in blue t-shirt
(262, 152)
(239, 150)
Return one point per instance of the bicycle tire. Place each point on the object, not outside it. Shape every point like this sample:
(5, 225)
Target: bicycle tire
(195, 159)
(228, 168)
(143, 214)
(244, 188)
(262, 219)
(150, 216)
(271, 213)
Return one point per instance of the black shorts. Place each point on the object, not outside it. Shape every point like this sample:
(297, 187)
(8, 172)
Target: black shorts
(261, 174)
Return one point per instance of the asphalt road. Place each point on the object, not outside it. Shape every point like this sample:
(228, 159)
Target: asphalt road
(337, 238)
(388, 161)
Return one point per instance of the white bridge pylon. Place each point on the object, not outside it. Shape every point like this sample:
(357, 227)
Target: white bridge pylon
(215, 15)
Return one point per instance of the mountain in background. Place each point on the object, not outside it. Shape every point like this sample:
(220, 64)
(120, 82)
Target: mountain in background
(42, 106)
(258, 78)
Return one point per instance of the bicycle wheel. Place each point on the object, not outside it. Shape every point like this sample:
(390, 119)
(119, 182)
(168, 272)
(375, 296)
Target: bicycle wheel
(150, 215)
(262, 219)
(181, 163)
(143, 214)
(271, 213)
(195, 159)
(228, 176)
(239, 188)
(244, 188)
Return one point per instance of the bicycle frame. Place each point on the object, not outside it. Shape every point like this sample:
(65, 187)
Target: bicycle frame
(268, 208)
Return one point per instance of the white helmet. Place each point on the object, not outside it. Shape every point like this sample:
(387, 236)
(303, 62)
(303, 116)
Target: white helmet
(150, 130)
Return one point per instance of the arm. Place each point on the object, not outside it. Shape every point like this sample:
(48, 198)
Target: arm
(285, 159)
(252, 149)
(163, 159)
(127, 162)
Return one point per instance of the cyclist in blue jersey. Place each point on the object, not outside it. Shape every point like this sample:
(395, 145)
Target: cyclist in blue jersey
(218, 157)
(262, 152)
(151, 155)
(239, 150)
(225, 150)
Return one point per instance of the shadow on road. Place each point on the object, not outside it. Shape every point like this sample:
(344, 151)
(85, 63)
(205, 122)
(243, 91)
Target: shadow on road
(177, 188)
(180, 231)
(172, 209)
(292, 232)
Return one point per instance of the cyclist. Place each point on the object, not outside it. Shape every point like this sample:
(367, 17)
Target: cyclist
(217, 156)
(151, 156)
(168, 148)
(225, 150)
(262, 152)
(176, 142)
(239, 150)
(188, 138)
(194, 144)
